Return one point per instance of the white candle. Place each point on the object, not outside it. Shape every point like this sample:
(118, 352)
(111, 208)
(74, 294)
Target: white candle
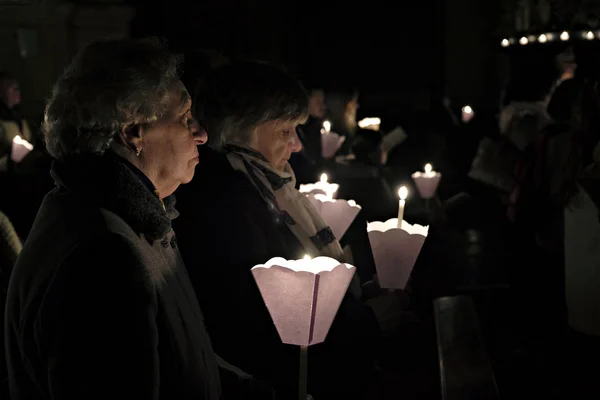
(403, 194)
(467, 113)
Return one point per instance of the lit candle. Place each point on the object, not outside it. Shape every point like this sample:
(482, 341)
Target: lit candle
(523, 41)
(403, 194)
(306, 257)
(370, 123)
(542, 38)
(589, 35)
(326, 127)
(427, 181)
(321, 187)
(505, 43)
(467, 113)
(564, 36)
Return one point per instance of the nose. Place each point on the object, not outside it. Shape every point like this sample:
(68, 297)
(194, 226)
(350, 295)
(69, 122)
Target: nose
(295, 143)
(200, 135)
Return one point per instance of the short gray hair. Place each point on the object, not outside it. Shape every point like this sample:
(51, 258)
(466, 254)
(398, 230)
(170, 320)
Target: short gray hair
(109, 85)
(239, 97)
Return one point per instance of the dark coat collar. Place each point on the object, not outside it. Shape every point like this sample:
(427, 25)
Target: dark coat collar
(110, 182)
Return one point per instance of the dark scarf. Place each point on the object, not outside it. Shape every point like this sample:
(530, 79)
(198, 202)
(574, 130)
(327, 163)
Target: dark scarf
(111, 182)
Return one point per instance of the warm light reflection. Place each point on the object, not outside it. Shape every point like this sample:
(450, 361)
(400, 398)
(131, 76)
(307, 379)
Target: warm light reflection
(323, 178)
(366, 122)
(428, 168)
(403, 193)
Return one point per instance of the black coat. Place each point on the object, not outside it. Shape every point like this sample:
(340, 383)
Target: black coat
(99, 303)
(224, 219)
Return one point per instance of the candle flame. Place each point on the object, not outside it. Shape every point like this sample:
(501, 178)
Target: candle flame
(403, 193)
(505, 43)
(590, 35)
(366, 122)
(467, 109)
(327, 126)
(523, 41)
(323, 178)
(564, 36)
(543, 38)
(306, 257)
(428, 168)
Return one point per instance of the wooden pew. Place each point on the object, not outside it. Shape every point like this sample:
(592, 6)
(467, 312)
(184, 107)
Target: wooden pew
(465, 369)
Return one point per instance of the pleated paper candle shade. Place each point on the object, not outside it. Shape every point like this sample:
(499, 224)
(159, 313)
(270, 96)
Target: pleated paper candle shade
(339, 214)
(395, 250)
(20, 148)
(427, 183)
(330, 144)
(303, 296)
(323, 188)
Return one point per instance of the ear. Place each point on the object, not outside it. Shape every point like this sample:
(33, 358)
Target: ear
(131, 137)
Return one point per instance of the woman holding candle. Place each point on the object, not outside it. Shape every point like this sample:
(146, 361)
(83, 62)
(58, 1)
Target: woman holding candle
(243, 209)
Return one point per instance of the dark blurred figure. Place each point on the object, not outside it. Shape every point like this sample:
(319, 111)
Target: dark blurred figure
(99, 301)
(308, 162)
(11, 122)
(10, 248)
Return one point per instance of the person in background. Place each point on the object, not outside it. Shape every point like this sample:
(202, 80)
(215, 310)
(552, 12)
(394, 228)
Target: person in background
(99, 302)
(308, 162)
(11, 122)
(10, 247)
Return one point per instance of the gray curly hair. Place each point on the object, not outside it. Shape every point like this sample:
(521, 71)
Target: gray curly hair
(240, 96)
(109, 85)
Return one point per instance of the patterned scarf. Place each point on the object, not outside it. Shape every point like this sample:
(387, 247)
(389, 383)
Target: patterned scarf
(288, 205)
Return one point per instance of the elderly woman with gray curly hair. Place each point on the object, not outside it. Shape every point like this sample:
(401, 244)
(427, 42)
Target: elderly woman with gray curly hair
(99, 303)
(242, 209)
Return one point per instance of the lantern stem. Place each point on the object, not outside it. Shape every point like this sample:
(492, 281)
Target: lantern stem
(303, 381)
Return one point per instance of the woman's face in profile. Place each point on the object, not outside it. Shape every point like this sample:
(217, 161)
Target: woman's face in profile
(169, 153)
(276, 141)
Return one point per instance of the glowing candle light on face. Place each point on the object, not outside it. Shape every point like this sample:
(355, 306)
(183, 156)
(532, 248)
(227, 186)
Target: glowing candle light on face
(403, 194)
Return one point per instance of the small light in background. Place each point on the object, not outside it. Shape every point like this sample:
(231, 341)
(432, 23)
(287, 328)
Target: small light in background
(523, 41)
(565, 36)
(589, 35)
(543, 38)
(505, 43)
